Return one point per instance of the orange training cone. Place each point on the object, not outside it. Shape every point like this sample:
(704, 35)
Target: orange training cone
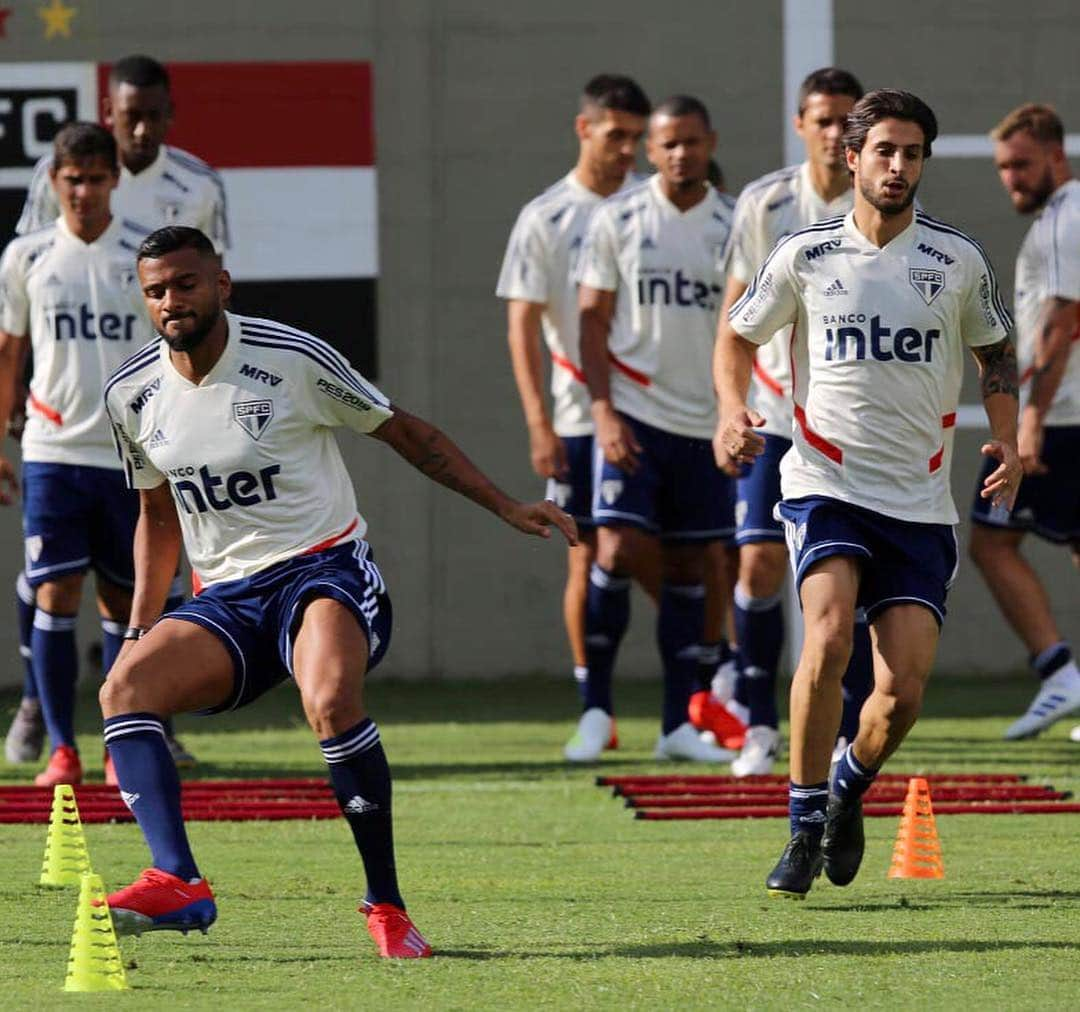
(917, 853)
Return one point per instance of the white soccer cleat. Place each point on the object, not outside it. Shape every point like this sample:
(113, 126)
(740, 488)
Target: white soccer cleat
(592, 735)
(758, 753)
(685, 743)
(1074, 734)
(1058, 696)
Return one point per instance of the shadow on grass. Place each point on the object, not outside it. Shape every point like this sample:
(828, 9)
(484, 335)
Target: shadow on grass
(794, 948)
(1007, 900)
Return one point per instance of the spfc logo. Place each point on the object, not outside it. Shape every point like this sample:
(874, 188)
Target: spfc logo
(33, 547)
(253, 416)
(610, 490)
(927, 282)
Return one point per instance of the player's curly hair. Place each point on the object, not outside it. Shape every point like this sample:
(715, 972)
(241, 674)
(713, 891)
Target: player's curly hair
(79, 142)
(172, 238)
(889, 103)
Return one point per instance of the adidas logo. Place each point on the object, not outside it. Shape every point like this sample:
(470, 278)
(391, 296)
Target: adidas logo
(358, 806)
(157, 439)
(836, 288)
(813, 817)
(129, 798)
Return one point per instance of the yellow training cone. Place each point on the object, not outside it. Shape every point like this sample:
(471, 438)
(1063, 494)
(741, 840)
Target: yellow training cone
(94, 961)
(66, 857)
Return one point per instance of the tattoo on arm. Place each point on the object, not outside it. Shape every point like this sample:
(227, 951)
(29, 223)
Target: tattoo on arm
(432, 459)
(997, 366)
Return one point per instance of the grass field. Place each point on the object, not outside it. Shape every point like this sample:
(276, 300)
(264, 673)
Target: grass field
(538, 889)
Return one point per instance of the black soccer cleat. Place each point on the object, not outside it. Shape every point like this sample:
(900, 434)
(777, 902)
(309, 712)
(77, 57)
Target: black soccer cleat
(844, 841)
(797, 868)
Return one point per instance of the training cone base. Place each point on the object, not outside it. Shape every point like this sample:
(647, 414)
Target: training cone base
(917, 852)
(66, 857)
(94, 962)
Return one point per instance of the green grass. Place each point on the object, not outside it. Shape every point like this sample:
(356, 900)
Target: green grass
(538, 889)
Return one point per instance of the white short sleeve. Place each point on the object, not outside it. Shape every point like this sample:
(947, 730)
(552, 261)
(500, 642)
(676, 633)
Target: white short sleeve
(744, 253)
(770, 302)
(14, 299)
(138, 471)
(524, 273)
(984, 319)
(335, 394)
(599, 264)
(1064, 257)
(41, 207)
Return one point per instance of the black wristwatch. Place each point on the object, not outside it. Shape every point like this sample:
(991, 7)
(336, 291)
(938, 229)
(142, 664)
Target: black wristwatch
(136, 632)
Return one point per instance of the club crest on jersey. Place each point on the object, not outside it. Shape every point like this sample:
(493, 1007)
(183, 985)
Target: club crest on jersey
(253, 416)
(928, 282)
(610, 490)
(34, 545)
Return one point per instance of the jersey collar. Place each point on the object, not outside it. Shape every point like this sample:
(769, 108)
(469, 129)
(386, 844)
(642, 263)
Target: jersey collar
(150, 174)
(111, 234)
(898, 245)
(826, 208)
(702, 206)
(228, 353)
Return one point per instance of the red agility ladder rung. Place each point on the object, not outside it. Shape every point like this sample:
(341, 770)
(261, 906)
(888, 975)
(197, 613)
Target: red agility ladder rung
(891, 811)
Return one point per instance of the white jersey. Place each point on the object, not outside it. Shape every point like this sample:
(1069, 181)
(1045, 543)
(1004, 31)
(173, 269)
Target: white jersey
(249, 452)
(81, 307)
(769, 209)
(175, 189)
(667, 268)
(539, 266)
(877, 343)
(1048, 266)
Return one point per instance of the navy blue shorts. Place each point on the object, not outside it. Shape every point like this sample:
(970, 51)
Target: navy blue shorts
(574, 495)
(677, 491)
(257, 618)
(1047, 504)
(77, 518)
(758, 492)
(901, 562)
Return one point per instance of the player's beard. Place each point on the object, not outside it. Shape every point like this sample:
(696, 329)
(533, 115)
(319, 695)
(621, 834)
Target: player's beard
(1037, 197)
(890, 208)
(193, 338)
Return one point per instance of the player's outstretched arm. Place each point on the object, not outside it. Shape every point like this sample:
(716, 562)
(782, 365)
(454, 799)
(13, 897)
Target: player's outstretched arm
(733, 361)
(546, 449)
(157, 553)
(1000, 390)
(11, 358)
(433, 453)
(1053, 343)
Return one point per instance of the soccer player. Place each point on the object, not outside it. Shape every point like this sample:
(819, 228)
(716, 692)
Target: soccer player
(71, 290)
(537, 282)
(159, 185)
(880, 304)
(768, 209)
(1029, 154)
(246, 474)
(651, 280)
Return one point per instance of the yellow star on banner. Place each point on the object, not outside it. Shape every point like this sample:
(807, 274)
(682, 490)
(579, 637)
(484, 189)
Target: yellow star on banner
(57, 19)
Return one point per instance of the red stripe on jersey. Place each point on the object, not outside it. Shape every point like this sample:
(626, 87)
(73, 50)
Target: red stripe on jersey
(629, 371)
(44, 410)
(263, 115)
(936, 459)
(565, 363)
(196, 584)
(819, 443)
(949, 420)
(767, 380)
(330, 542)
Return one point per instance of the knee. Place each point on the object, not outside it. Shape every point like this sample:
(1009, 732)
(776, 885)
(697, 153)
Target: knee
(984, 548)
(122, 691)
(333, 706)
(901, 702)
(60, 597)
(827, 646)
(614, 552)
(761, 573)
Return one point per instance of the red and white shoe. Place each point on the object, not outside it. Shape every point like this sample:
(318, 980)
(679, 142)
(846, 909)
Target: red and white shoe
(708, 713)
(64, 767)
(394, 933)
(159, 901)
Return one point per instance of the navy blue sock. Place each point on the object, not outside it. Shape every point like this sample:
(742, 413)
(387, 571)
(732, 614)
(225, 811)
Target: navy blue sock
(112, 639)
(858, 679)
(850, 778)
(24, 611)
(607, 614)
(360, 776)
(581, 680)
(806, 808)
(150, 787)
(710, 657)
(56, 666)
(759, 628)
(678, 633)
(1051, 660)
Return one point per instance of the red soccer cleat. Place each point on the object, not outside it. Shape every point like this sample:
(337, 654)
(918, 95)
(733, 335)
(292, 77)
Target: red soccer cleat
(64, 768)
(159, 901)
(707, 713)
(394, 934)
